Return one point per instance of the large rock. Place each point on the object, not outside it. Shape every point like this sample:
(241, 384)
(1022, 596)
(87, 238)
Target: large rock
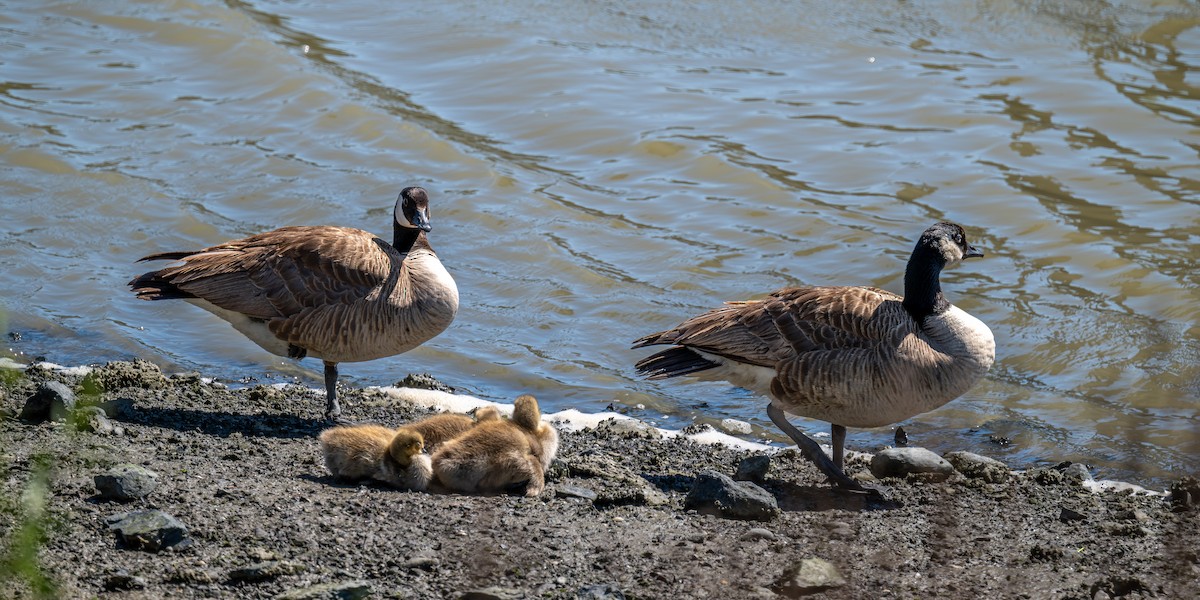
(720, 494)
(51, 400)
(902, 462)
(977, 466)
(126, 482)
(149, 530)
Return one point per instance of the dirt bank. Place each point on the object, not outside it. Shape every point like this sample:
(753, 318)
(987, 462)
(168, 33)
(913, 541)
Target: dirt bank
(240, 470)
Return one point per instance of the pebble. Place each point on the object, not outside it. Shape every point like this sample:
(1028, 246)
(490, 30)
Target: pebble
(1068, 515)
(758, 533)
(736, 427)
(1185, 494)
(51, 400)
(94, 420)
(1077, 472)
(719, 493)
(977, 466)
(149, 530)
(574, 491)
(492, 593)
(600, 591)
(127, 482)
(901, 462)
(122, 580)
(809, 576)
(265, 571)
(426, 563)
(628, 428)
(753, 468)
(345, 590)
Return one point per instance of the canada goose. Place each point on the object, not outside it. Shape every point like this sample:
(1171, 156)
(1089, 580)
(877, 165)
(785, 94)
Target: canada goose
(499, 454)
(355, 452)
(334, 293)
(852, 356)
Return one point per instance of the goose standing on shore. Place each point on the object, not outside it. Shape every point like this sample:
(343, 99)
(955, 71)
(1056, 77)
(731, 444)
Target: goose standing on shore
(335, 293)
(851, 356)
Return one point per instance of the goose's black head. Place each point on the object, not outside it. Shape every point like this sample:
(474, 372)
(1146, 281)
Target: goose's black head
(942, 245)
(412, 209)
(947, 241)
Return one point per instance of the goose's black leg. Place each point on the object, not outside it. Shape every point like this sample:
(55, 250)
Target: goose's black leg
(332, 409)
(813, 452)
(838, 432)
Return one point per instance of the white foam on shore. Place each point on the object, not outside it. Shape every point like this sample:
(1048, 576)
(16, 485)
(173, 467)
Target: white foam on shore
(570, 419)
(1098, 486)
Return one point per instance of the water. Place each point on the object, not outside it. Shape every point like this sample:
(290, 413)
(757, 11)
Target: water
(602, 170)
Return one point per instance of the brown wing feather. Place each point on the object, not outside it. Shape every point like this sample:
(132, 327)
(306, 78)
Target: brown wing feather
(282, 272)
(789, 321)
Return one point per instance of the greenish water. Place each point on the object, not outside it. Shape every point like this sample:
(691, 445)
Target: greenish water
(602, 170)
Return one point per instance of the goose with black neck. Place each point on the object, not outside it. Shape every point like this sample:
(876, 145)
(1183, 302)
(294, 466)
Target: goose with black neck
(851, 356)
(335, 293)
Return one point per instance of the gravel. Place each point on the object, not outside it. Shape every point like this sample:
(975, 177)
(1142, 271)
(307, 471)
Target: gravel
(253, 514)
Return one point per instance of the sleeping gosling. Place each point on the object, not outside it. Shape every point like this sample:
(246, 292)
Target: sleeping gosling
(404, 465)
(441, 428)
(353, 453)
(500, 455)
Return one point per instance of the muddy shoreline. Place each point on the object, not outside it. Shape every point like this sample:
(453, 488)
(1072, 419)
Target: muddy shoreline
(241, 472)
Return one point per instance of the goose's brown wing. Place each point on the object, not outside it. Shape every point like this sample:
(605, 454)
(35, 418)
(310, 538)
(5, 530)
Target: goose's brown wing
(788, 322)
(278, 273)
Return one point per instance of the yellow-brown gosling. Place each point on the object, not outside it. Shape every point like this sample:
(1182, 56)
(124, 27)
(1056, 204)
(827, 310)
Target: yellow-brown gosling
(500, 455)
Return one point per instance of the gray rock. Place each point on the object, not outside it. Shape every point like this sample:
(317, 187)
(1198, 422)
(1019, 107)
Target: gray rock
(51, 400)
(117, 375)
(574, 491)
(345, 590)
(977, 466)
(126, 482)
(492, 593)
(753, 468)
(149, 530)
(902, 462)
(424, 381)
(809, 576)
(718, 493)
(736, 427)
(1076, 473)
(1070, 515)
(93, 419)
(1185, 494)
(264, 571)
(628, 428)
(600, 591)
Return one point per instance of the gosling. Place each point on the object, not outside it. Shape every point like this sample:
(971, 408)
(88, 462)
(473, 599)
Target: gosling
(500, 455)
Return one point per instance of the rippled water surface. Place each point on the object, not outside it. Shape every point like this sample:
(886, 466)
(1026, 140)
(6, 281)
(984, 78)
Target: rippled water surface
(602, 170)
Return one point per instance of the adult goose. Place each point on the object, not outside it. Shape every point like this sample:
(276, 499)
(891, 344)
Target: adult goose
(851, 356)
(334, 293)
